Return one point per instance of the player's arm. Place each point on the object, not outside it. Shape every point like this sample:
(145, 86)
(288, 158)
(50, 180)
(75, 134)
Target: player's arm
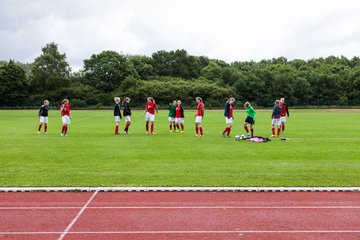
(202, 111)
(287, 111)
(40, 111)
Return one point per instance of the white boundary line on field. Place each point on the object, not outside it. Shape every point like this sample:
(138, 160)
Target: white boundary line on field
(61, 237)
(179, 189)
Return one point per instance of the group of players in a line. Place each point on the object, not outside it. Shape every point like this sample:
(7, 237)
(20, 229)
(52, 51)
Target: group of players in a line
(175, 116)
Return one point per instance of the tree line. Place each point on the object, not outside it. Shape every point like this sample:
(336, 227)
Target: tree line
(168, 75)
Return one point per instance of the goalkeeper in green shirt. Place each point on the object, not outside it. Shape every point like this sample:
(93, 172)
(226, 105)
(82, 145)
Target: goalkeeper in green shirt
(171, 115)
(250, 119)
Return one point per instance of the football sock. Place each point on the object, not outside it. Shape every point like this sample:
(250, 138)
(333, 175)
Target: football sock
(283, 127)
(252, 131)
(228, 131)
(65, 129)
(197, 130)
(45, 127)
(182, 127)
(201, 131)
(152, 127)
(117, 129)
(279, 129)
(246, 128)
(39, 128)
(147, 126)
(273, 130)
(170, 126)
(127, 127)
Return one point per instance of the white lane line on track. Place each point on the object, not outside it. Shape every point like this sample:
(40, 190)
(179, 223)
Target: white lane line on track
(185, 207)
(188, 232)
(77, 216)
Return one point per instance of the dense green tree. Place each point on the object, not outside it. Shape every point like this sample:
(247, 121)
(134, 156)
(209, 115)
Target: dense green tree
(13, 84)
(50, 71)
(106, 70)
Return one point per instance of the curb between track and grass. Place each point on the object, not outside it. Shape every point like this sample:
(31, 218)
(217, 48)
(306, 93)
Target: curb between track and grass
(179, 189)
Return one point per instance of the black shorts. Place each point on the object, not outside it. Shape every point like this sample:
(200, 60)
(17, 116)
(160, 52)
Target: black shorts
(250, 120)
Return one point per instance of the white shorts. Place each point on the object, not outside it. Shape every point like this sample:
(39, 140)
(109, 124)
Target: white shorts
(65, 120)
(171, 119)
(179, 120)
(198, 119)
(127, 118)
(283, 119)
(149, 117)
(44, 119)
(117, 118)
(228, 120)
(275, 122)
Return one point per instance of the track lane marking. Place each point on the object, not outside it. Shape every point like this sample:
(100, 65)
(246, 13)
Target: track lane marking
(185, 207)
(61, 237)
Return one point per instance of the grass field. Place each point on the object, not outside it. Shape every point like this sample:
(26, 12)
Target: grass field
(323, 149)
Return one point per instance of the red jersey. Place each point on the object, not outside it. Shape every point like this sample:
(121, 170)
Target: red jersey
(150, 107)
(198, 111)
(284, 110)
(65, 111)
(178, 112)
(231, 111)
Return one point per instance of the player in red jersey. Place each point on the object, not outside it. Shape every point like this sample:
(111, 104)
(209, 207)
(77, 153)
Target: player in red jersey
(179, 116)
(65, 116)
(199, 116)
(229, 116)
(284, 112)
(150, 114)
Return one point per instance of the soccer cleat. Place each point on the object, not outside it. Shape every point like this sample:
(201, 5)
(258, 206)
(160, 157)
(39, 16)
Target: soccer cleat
(248, 134)
(146, 132)
(182, 131)
(125, 132)
(177, 130)
(196, 135)
(171, 131)
(45, 132)
(202, 135)
(272, 136)
(223, 134)
(153, 133)
(65, 135)
(61, 134)
(38, 132)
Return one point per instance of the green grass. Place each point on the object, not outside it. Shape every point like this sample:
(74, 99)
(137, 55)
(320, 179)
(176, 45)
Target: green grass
(323, 150)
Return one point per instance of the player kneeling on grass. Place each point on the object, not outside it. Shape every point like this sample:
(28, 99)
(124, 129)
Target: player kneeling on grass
(171, 115)
(65, 116)
(229, 117)
(127, 114)
(150, 114)
(199, 116)
(250, 119)
(276, 119)
(43, 115)
(284, 112)
(117, 114)
(179, 117)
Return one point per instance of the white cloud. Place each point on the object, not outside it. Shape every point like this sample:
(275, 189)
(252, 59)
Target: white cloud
(229, 30)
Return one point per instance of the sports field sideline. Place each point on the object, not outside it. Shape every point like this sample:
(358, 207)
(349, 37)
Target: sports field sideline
(322, 150)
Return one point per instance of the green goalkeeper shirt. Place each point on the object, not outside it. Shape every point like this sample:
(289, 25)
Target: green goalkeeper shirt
(250, 112)
(172, 109)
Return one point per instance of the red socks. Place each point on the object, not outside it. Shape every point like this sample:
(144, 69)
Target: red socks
(170, 127)
(152, 128)
(279, 129)
(283, 127)
(246, 128)
(65, 130)
(182, 127)
(273, 131)
(39, 128)
(45, 127)
(201, 131)
(116, 129)
(227, 131)
(147, 126)
(252, 132)
(197, 129)
(127, 127)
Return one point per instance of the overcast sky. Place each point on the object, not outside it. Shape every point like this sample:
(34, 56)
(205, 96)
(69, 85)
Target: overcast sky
(224, 29)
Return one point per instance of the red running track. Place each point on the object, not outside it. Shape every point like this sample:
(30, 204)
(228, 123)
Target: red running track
(180, 215)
